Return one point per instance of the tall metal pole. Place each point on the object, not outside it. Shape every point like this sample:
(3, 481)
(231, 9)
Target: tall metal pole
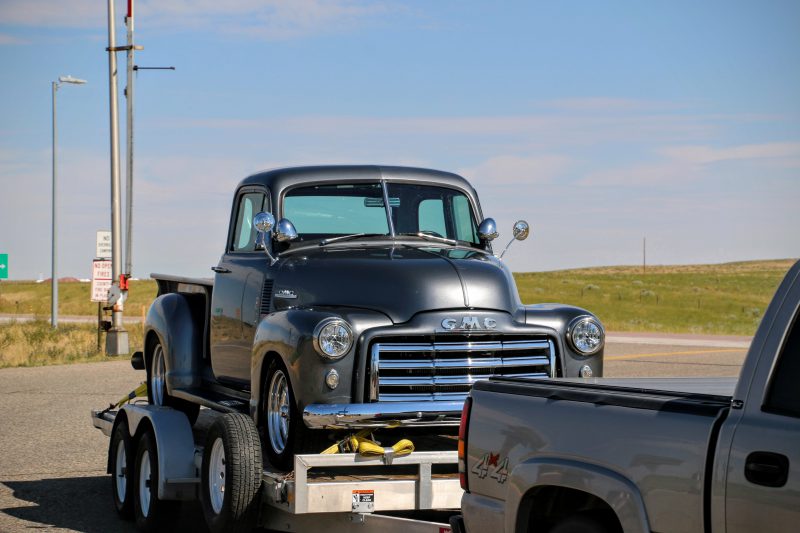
(117, 338)
(129, 149)
(54, 240)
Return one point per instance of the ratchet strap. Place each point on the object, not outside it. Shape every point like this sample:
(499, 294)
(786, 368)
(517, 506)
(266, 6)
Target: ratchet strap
(362, 444)
(139, 391)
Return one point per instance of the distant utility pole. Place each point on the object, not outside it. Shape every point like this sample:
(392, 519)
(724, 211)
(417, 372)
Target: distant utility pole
(54, 238)
(117, 337)
(129, 149)
(644, 255)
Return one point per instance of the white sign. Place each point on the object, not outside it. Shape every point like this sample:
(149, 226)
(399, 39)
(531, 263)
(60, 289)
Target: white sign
(101, 279)
(103, 244)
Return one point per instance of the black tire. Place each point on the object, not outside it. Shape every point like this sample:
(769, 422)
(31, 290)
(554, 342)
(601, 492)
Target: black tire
(285, 434)
(151, 513)
(157, 387)
(231, 474)
(120, 454)
(580, 523)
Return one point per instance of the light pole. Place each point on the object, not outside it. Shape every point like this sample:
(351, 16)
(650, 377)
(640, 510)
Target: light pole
(54, 284)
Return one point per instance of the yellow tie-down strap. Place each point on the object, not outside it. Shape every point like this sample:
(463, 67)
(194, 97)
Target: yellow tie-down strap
(138, 392)
(361, 443)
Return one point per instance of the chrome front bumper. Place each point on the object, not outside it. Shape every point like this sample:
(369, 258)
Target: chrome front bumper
(382, 414)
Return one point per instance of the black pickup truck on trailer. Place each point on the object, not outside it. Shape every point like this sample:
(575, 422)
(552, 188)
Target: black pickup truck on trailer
(374, 299)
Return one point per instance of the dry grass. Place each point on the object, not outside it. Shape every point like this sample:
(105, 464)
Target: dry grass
(35, 343)
(31, 298)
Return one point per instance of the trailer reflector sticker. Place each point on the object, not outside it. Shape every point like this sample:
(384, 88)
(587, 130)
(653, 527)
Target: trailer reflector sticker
(363, 501)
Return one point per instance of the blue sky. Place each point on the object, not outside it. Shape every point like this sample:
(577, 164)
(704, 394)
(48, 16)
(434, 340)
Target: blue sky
(598, 122)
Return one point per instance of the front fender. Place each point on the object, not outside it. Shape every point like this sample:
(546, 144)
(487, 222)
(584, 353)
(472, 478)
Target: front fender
(170, 320)
(288, 335)
(618, 492)
(558, 317)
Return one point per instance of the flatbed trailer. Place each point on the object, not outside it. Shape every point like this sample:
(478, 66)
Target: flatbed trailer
(337, 492)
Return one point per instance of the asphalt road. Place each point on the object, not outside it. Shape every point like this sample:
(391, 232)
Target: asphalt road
(52, 461)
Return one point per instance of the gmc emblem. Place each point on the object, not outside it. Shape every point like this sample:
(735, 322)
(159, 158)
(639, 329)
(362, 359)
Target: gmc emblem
(469, 323)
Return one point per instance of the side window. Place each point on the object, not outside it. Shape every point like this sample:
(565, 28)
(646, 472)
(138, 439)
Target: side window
(244, 235)
(431, 216)
(784, 394)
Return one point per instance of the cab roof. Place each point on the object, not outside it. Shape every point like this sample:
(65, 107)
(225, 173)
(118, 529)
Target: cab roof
(279, 179)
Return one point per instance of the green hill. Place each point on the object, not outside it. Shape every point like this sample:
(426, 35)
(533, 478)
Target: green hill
(725, 299)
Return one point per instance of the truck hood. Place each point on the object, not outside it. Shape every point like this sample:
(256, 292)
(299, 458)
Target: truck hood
(397, 280)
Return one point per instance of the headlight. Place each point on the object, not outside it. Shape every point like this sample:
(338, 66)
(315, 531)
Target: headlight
(333, 338)
(586, 335)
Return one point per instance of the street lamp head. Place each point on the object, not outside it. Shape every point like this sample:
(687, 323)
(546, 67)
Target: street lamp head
(70, 79)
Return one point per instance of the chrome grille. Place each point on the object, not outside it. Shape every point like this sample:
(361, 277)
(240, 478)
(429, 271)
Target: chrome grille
(422, 371)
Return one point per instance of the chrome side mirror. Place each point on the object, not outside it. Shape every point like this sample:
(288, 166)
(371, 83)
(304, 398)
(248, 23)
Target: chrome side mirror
(487, 230)
(285, 231)
(521, 231)
(264, 222)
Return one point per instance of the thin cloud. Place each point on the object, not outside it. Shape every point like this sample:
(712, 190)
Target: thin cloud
(257, 19)
(706, 154)
(6, 39)
(517, 170)
(611, 105)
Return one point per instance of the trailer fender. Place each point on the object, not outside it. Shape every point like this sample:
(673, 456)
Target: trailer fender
(170, 318)
(178, 478)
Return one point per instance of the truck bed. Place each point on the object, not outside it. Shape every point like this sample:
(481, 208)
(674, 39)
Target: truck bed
(553, 417)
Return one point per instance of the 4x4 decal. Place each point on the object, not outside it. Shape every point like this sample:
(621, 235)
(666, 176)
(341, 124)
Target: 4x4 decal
(491, 465)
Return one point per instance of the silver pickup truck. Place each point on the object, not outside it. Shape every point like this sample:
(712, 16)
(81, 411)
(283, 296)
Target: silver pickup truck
(611, 455)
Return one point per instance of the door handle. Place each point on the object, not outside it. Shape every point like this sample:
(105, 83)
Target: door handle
(220, 270)
(767, 468)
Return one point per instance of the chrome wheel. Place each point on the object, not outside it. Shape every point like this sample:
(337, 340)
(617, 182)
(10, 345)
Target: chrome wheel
(216, 476)
(144, 484)
(158, 372)
(121, 472)
(278, 411)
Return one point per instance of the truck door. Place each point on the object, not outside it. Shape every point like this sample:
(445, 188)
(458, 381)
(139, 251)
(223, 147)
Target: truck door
(239, 285)
(763, 471)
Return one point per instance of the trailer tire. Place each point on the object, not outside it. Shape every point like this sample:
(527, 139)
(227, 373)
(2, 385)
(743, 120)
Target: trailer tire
(157, 386)
(152, 513)
(120, 455)
(231, 474)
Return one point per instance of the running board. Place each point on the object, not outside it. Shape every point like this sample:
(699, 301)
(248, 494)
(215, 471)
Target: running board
(213, 400)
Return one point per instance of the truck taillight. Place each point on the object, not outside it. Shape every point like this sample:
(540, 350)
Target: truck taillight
(462, 443)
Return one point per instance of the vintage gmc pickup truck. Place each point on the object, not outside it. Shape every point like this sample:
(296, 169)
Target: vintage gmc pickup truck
(352, 297)
(636, 455)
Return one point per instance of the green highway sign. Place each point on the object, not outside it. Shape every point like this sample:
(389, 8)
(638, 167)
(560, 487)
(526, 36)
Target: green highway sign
(3, 266)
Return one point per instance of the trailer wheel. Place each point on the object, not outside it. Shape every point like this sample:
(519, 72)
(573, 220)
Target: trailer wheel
(121, 459)
(231, 475)
(151, 513)
(157, 386)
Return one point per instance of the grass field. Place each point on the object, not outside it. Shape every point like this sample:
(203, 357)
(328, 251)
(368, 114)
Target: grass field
(727, 299)
(31, 298)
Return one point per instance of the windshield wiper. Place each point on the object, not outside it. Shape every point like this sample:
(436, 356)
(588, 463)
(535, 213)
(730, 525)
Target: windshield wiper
(340, 238)
(432, 238)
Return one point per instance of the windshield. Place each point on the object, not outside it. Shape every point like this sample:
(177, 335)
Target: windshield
(330, 210)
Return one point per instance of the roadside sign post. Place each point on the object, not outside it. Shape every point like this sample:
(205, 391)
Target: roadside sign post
(102, 252)
(3, 266)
